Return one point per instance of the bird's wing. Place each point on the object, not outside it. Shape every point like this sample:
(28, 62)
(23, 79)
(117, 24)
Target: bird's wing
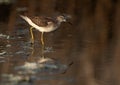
(41, 20)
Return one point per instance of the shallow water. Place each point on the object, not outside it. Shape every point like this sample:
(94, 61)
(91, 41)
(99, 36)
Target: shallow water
(19, 59)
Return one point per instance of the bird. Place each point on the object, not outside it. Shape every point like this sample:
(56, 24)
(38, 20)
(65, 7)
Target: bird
(44, 23)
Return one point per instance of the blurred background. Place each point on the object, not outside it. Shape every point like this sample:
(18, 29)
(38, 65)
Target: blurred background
(92, 42)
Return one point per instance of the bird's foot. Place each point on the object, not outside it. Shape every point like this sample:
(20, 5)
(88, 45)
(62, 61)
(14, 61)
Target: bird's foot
(31, 42)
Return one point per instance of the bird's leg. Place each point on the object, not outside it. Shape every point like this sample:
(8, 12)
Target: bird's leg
(42, 38)
(32, 37)
(42, 41)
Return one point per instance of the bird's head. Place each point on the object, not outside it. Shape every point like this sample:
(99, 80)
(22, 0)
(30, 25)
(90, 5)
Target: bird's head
(63, 18)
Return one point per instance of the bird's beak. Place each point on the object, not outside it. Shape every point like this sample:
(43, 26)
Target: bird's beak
(70, 23)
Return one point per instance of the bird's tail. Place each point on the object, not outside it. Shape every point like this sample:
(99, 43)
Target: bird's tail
(23, 17)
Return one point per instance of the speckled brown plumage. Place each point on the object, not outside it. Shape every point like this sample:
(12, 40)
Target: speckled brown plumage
(42, 21)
